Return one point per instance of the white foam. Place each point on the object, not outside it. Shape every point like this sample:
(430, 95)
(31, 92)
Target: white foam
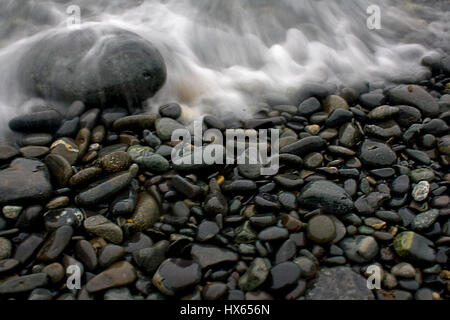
(227, 55)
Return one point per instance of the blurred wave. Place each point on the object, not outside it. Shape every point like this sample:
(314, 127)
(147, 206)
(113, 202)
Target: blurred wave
(227, 56)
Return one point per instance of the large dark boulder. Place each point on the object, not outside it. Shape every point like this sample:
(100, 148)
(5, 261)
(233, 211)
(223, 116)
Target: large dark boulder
(102, 66)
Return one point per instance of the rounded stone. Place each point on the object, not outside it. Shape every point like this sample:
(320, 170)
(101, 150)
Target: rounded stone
(321, 229)
(326, 195)
(119, 274)
(207, 230)
(176, 276)
(171, 110)
(41, 121)
(60, 169)
(334, 102)
(116, 161)
(283, 276)
(68, 65)
(102, 227)
(403, 270)
(55, 244)
(55, 272)
(421, 190)
(110, 254)
(165, 127)
(377, 154)
(37, 139)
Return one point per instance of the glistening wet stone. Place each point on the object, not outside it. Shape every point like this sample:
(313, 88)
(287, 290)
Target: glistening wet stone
(327, 196)
(175, 276)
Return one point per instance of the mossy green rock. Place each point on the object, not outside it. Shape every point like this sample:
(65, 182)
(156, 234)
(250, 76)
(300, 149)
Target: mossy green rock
(413, 246)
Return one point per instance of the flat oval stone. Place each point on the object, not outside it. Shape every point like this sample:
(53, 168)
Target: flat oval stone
(321, 229)
(24, 283)
(286, 251)
(327, 196)
(116, 161)
(110, 254)
(7, 265)
(207, 230)
(383, 112)
(146, 213)
(118, 275)
(239, 186)
(27, 248)
(34, 152)
(408, 115)
(377, 154)
(333, 102)
(102, 227)
(85, 253)
(7, 152)
(288, 180)
(37, 139)
(171, 110)
(415, 96)
(165, 127)
(304, 146)
(421, 190)
(425, 220)
(400, 185)
(283, 276)
(176, 276)
(42, 121)
(60, 169)
(107, 189)
(135, 123)
(273, 234)
(85, 176)
(55, 244)
(153, 163)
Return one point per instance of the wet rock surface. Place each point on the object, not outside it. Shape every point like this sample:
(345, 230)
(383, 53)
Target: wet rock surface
(339, 283)
(122, 75)
(363, 181)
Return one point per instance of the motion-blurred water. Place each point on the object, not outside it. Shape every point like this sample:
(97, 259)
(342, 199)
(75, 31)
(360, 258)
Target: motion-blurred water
(227, 55)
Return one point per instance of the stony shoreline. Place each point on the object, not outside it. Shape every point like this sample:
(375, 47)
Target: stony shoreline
(364, 180)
